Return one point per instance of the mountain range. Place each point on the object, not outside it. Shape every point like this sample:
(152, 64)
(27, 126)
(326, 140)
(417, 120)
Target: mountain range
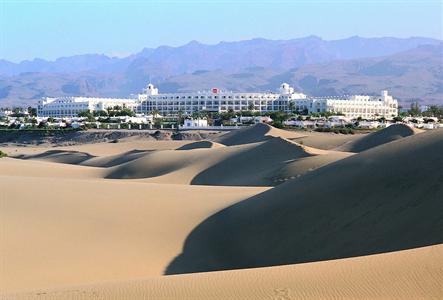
(412, 69)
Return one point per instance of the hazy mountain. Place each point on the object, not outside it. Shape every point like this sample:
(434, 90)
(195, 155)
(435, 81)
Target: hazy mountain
(412, 75)
(229, 56)
(410, 68)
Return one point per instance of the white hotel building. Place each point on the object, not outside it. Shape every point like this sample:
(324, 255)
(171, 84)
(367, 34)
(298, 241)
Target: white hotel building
(353, 106)
(216, 100)
(61, 107)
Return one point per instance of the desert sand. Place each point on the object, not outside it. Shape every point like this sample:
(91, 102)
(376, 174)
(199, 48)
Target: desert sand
(258, 213)
(409, 274)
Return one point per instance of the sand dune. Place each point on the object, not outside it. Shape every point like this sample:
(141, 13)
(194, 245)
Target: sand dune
(251, 164)
(84, 159)
(199, 145)
(64, 231)
(60, 156)
(35, 168)
(410, 274)
(72, 228)
(384, 199)
(105, 149)
(301, 166)
(258, 133)
(325, 140)
(383, 136)
(114, 160)
(256, 166)
(98, 149)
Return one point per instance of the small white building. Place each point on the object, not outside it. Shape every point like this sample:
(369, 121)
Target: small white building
(5, 112)
(369, 124)
(195, 123)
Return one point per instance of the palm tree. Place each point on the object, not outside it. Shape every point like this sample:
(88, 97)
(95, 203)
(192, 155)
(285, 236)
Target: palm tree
(291, 106)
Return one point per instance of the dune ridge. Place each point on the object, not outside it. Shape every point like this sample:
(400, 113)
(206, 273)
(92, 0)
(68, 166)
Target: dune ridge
(384, 199)
(261, 212)
(200, 145)
(383, 136)
(83, 158)
(251, 164)
(258, 133)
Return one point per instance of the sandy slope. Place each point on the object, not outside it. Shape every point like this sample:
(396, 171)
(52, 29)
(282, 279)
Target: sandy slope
(384, 199)
(83, 158)
(248, 164)
(258, 133)
(386, 135)
(301, 166)
(199, 145)
(325, 140)
(35, 168)
(63, 224)
(56, 231)
(410, 274)
(264, 163)
(98, 149)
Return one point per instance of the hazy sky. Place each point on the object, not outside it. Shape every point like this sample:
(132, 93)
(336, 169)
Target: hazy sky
(50, 29)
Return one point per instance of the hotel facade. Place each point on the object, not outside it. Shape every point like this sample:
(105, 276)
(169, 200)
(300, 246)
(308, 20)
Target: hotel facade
(353, 106)
(216, 100)
(63, 107)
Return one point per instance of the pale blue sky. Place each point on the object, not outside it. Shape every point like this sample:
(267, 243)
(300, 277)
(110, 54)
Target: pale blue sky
(50, 29)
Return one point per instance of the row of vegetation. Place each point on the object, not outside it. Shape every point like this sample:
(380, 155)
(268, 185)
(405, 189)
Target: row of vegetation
(214, 118)
(116, 111)
(432, 111)
(342, 130)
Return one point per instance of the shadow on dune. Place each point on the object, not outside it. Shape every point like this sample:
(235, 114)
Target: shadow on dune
(255, 164)
(197, 145)
(60, 156)
(386, 135)
(254, 167)
(86, 159)
(388, 198)
(247, 135)
(115, 160)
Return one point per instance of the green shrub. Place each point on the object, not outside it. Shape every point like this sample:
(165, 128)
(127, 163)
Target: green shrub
(3, 154)
(342, 130)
